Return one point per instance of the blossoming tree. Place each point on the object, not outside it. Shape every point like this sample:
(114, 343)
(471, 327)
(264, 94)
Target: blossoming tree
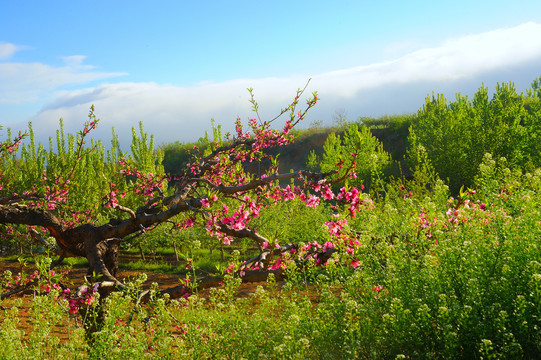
(215, 191)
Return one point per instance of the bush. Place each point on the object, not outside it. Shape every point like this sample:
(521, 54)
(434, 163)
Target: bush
(357, 148)
(457, 134)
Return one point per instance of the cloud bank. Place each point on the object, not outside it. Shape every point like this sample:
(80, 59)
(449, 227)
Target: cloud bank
(29, 82)
(183, 113)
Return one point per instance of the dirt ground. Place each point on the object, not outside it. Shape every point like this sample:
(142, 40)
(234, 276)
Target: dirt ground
(76, 278)
(76, 275)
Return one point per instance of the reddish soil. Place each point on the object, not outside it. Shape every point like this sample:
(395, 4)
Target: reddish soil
(76, 278)
(165, 280)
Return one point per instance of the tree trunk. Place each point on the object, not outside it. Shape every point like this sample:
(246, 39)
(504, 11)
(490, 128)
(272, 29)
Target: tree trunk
(141, 253)
(175, 249)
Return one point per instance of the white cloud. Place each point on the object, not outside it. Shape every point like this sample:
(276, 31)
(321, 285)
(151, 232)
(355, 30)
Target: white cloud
(76, 62)
(7, 50)
(27, 82)
(454, 59)
(169, 112)
(183, 113)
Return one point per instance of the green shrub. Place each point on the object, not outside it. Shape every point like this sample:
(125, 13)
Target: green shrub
(457, 134)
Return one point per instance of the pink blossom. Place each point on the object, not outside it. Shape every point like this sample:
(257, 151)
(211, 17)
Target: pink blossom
(188, 223)
(312, 201)
(328, 245)
(327, 193)
(333, 226)
(288, 194)
(230, 268)
(277, 265)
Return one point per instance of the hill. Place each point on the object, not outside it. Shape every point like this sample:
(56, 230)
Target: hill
(391, 131)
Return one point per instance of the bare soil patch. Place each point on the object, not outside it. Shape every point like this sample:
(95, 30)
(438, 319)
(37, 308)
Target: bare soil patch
(165, 280)
(76, 277)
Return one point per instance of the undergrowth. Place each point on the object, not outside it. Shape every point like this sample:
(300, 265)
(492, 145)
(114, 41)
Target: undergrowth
(438, 278)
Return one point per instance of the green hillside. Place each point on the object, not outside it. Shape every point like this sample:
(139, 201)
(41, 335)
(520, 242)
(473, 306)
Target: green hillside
(449, 136)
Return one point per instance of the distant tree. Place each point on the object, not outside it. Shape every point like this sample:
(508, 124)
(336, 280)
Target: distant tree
(357, 153)
(535, 90)
(457, 134)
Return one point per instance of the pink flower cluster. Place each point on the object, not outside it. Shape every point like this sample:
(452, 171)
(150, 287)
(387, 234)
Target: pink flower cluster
(336, 228)
(77, 217)
(22, 280)
(427, 224)
(188, 223)
(49, 282)
(266, 137)
(352, 199)
(248, 209)
(7, 148)
(89, 126)
(86, 297)
(112, 197)
(91, 123)
(453, 215)
(146, 184)
(57, 193)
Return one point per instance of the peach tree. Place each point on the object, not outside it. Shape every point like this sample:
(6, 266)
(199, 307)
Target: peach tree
(128, 197)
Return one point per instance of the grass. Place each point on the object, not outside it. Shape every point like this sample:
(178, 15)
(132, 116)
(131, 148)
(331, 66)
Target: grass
(205, 261)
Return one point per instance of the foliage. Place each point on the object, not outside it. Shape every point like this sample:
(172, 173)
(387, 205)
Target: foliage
(357, 152)
(74, 177)
(176, 155)
(457, 134)
(292, 221)
(393, 122)
(438, 277)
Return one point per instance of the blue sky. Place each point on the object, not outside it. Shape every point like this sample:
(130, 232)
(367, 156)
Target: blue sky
(176, 64)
